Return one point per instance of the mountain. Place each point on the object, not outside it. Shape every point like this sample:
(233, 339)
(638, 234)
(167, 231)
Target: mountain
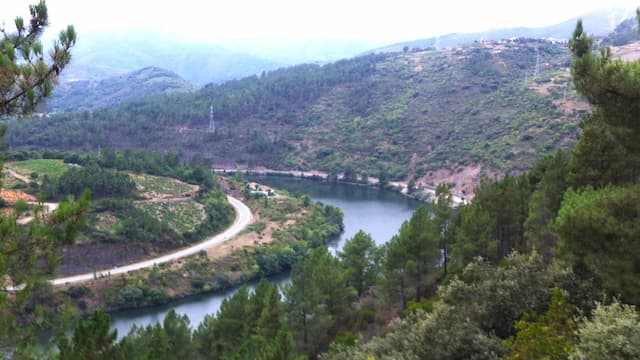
(98, 56)
(92, 95)
(625, 33)
(449, 115)
(598, 23)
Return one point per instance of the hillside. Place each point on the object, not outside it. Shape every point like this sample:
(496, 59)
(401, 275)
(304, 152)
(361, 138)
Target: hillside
(433, 116)
(92, 95)
(625, 33)
(132, 214)
(98, 56)
(599, 24)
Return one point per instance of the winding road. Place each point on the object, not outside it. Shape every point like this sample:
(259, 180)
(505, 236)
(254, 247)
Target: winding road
(243, 218)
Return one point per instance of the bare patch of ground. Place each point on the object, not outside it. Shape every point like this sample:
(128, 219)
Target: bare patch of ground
(13, 196)
(464, 181)
(82, 257)
(628, 52)
(245, 239)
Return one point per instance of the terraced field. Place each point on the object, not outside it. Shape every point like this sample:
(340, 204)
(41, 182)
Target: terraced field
(160, 187)
(182, 215)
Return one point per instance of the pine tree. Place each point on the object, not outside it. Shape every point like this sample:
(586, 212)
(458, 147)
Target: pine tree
(92, 340)
(25, 76)
(359, 260)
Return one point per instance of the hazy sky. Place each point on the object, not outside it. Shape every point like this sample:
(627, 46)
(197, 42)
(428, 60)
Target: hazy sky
(364, 20)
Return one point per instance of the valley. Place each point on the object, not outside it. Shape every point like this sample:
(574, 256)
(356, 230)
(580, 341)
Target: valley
(427, 116)
(473, 194)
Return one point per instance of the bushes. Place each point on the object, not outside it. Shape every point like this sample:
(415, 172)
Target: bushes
(102, 183)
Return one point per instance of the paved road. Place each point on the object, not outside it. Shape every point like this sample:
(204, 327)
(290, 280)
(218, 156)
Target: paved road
(243, 218)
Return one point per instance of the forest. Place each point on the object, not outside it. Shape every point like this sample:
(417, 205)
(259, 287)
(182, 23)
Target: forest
(538, 265)
(453, 109)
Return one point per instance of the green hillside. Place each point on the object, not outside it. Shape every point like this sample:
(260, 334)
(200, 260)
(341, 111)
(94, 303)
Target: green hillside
(91, 95)
(467, 110)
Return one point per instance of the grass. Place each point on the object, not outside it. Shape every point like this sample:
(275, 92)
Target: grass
(255, 227)
(105, 221)
(183, 216)
(10, 182)
(159, 185)
(52, 168)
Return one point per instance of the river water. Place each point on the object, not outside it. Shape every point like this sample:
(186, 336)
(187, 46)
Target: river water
(377, 212)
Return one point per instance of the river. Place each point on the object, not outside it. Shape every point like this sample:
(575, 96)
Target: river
(377, 212)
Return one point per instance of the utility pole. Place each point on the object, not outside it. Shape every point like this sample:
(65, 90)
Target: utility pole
(212, 127)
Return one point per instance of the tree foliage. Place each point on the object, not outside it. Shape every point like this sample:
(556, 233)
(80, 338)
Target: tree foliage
(612, 332)
(26, 77)
(359, 257)
(548, 336)
(599, 232)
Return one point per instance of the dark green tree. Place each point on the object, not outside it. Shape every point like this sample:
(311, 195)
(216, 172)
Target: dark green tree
(422, 247)
(412, 256)
(599, 232)
(92, 340)
(222, 335)
(359, 258)
(396, 276)
(178, 332)
(545, 203)
(610, 84)
(316, 300)
(443, 214)
(599, 158)
(472, 234)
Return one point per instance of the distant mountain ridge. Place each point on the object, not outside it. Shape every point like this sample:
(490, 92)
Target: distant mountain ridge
(92, 95)
(99, 56)
(597, 23)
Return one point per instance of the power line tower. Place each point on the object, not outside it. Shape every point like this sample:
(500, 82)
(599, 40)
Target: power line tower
(212, 126)
(537, 70)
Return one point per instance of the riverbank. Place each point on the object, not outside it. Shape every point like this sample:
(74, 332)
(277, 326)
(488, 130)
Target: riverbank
(420, 191)
(271, 244)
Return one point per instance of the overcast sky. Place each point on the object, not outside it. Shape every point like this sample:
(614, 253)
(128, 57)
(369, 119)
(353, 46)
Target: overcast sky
(370, 21)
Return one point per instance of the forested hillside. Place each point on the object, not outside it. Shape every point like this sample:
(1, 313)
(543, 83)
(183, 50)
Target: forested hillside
(91, 95)
(494, 107)
(538, 266)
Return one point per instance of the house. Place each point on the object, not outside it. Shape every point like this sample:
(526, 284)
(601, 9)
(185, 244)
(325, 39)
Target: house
(259, 189)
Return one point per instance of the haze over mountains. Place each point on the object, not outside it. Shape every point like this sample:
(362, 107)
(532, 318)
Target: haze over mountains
(101, 55)
(597, 23)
